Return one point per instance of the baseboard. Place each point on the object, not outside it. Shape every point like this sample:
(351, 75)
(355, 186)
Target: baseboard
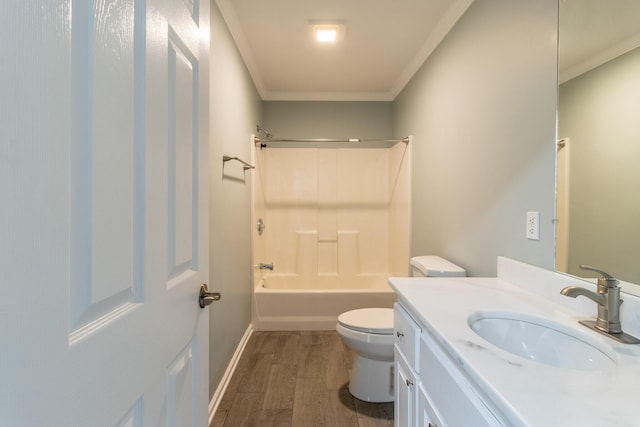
(224, 382)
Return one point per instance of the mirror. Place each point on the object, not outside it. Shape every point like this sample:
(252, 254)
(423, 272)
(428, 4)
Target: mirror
(598, 176)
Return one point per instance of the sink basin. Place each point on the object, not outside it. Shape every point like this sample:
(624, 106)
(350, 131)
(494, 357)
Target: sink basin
(542, 340)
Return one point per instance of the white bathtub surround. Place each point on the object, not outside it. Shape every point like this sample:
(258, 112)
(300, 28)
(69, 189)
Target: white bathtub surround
(336, 227)
(519, 391)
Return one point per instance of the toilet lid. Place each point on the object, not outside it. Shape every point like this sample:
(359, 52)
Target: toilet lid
(371, 320)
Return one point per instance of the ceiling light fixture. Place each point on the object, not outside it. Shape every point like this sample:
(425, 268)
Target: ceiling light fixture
(327, 32)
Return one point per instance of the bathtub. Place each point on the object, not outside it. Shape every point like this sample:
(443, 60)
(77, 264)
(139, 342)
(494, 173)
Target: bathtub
(288, 302)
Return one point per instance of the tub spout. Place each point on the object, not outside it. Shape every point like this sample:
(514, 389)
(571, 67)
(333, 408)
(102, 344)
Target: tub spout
(263, 266)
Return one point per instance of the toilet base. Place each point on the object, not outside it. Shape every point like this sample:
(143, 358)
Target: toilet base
(371, 380)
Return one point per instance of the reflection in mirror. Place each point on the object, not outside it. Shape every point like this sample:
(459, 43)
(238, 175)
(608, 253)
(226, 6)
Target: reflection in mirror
(599, 138)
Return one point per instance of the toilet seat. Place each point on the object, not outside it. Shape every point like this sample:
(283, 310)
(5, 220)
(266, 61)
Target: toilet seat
(369, 320)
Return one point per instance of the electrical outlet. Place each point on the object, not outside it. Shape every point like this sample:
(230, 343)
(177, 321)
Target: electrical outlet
(533, 225)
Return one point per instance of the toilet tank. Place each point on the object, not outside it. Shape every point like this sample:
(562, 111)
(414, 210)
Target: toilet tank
(435, 266)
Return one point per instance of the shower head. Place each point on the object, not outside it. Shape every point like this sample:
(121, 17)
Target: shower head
(266, 133)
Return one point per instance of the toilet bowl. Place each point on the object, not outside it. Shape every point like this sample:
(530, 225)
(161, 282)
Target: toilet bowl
(369, 333)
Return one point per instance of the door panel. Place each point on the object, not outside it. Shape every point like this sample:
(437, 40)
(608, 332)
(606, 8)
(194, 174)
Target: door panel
(181, 389)
(107, 250)
(183, 150)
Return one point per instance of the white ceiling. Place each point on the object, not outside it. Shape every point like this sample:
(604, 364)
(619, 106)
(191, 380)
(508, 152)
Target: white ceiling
(384, 44)
(386, 41)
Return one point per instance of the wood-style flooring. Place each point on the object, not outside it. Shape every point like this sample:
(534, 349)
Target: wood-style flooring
(296, 379)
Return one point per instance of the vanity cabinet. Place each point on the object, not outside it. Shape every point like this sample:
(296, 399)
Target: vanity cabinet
(430, 390)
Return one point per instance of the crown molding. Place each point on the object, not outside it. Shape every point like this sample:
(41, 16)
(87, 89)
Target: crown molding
(599, 58)
(233, 24)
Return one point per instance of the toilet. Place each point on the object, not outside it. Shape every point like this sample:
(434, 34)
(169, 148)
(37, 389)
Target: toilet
(369, 333)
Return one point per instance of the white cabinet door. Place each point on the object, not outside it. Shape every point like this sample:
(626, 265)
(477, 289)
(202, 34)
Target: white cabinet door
(406, 392)
(427, 414)
(103, 212)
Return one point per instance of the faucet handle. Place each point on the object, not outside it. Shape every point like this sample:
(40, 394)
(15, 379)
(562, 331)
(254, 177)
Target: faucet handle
(605, 280)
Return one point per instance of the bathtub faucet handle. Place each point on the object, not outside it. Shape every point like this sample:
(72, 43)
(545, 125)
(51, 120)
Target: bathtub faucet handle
(263, 266)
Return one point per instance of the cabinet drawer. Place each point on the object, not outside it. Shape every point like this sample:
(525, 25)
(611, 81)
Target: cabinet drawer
(406, 333)
(449, 391)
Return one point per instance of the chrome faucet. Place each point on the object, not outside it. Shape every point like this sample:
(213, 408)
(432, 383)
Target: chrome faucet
(608, 299)
(263, 266)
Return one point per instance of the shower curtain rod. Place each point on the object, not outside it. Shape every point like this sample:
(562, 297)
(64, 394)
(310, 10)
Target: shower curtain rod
(260, 140)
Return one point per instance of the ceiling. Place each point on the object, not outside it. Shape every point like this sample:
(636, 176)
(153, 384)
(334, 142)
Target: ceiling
(386, 41)
(384, 44)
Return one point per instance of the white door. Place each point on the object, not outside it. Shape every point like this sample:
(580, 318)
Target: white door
(103, 212)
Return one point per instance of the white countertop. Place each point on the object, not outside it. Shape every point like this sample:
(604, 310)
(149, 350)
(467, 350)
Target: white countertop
(524, 392)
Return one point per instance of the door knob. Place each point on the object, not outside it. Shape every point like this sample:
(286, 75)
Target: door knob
(205, 298)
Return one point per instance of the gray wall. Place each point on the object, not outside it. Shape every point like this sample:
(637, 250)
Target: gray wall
(599, 113)
(234, 113)
(482, 111)
(310, 119)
